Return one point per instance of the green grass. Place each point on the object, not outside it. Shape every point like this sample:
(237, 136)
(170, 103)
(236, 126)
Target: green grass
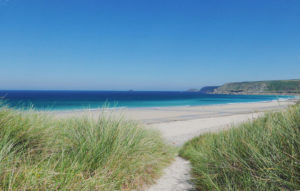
(38, 152)
(259, 155)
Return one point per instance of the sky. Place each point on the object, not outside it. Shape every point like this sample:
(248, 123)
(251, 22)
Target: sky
(146, 44)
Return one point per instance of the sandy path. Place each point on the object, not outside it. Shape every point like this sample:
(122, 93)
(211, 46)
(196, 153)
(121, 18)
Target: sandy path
(176, 177)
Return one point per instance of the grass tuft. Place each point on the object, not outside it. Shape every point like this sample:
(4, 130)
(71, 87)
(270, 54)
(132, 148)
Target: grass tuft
(38, 152)
(260, 155)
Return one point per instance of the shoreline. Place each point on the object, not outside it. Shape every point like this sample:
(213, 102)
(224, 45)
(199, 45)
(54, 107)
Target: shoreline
(249, 93)
(294, 99)
(153, 115)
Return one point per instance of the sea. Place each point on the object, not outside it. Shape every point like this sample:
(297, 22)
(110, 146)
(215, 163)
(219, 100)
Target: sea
(68, 100)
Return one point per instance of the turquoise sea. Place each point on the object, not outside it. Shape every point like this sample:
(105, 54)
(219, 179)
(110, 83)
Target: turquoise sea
(64, 100)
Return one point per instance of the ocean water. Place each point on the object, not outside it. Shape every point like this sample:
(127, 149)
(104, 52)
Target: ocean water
(64, 100)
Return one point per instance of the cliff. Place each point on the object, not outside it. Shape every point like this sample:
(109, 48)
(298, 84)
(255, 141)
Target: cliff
(260, 87)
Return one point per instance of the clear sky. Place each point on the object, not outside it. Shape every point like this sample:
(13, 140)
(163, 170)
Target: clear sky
(146, 44)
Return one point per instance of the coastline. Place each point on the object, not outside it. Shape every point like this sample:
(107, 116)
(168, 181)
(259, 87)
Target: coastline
(254, 93)
(153, 115)
(93, 100)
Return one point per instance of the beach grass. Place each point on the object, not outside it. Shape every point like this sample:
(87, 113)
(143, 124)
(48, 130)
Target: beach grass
(260, 155)
(39, 152)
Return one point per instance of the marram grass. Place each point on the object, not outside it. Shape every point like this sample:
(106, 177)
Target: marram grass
(259, 155)
(38, 152)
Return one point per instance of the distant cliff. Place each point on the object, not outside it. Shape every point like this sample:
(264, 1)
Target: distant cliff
(260, 87)
(208, 89)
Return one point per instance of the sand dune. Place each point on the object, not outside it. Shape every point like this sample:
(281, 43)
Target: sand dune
(180, 124)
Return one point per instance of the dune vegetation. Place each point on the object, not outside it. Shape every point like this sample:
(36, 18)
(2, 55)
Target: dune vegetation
(38, 152)
(260, 155)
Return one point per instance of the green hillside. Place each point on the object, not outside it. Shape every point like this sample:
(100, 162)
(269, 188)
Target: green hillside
(260, 87)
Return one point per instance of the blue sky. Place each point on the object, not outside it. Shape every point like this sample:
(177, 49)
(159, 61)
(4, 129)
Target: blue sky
(146, 45)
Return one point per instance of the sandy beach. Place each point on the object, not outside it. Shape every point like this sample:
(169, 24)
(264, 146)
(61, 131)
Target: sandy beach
(153, 115)
(179, 124)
